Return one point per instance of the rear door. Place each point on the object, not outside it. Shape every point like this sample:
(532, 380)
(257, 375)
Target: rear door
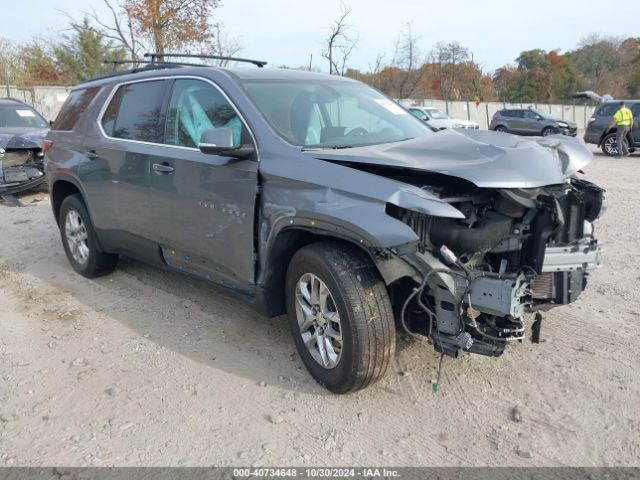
(531, 123)
(513, 120)
(118, 178)
(203, 205)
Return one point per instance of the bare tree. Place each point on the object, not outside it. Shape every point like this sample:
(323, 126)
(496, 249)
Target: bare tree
(340, 43)
(409, 59)
(375, 69)
(223, 45)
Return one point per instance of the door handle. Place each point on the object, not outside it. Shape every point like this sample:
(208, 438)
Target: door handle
(91, 154)
(162, 168)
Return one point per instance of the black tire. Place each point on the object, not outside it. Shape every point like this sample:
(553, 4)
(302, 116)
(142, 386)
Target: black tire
(362, 303)
(609, 146)
(549, 131)
(501, 129)
(97, 263)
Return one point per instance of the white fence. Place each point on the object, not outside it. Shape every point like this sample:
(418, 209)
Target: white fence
(482, 113)
(46, 100)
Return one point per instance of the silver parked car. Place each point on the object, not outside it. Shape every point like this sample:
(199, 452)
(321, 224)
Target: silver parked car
(528, 121)
(440, 120)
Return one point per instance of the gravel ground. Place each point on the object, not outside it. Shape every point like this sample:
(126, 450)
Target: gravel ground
(145, 367)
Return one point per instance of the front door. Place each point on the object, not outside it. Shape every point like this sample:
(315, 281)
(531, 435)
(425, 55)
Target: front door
(203, 205)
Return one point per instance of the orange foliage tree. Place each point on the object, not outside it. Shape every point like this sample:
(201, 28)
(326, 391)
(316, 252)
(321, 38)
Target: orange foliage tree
(172, 25)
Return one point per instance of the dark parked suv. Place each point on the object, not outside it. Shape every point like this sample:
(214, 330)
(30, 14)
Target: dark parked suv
(319, 197)
(527, 121)
(599, 133)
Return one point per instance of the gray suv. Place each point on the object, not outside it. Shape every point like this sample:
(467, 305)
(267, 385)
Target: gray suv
(599, 133)
(527, 121)
(319, 197)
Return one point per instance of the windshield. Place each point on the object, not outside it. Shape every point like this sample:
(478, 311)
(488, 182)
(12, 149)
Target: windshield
(437, 114)
(20, 116)
(332, 114)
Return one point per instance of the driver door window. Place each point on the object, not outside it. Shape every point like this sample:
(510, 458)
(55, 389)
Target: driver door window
(197, 106)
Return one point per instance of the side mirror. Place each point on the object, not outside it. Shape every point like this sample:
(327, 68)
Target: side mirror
(219, 141)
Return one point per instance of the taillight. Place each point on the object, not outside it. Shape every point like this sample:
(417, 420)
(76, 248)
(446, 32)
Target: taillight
(591, 120)
(46, 145)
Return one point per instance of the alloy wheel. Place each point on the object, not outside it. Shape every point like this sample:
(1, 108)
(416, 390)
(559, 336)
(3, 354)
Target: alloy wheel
(75, 232)
(318, 320)
(611, 146)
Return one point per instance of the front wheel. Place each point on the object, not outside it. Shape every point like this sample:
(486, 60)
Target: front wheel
(549, 131)
(609, 145)
(340, 316)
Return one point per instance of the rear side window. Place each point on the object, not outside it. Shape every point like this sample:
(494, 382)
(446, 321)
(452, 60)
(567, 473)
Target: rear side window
(76, 103)
(134, 112)
(635, 109)
(607, 110)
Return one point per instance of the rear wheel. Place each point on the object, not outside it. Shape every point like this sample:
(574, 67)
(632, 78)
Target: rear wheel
(80, 241)
(501, 129)
(340, 316)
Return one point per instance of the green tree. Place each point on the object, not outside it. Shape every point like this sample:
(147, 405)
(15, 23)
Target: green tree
(82, 54)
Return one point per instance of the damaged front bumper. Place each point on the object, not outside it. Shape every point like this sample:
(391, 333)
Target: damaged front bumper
(481, 312)
(516, 252)
(20, 170)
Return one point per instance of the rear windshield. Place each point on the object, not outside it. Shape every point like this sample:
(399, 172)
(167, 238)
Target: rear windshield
(20, 116)
(76, 103)
(607, 110)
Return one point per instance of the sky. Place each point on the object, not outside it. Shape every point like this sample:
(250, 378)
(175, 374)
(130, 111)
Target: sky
(288, 32)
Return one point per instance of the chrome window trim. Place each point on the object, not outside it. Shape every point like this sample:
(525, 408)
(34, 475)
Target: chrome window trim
(115, 88)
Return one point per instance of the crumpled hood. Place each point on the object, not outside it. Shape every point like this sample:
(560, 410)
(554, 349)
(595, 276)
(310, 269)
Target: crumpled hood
(486, 158)
(22, 137)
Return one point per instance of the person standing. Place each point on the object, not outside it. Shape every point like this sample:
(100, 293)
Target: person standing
(623, 121)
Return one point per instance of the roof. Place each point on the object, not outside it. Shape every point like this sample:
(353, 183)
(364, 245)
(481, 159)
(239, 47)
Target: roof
(281, 74)
(636, 100)
(237, 73)
(11, 101)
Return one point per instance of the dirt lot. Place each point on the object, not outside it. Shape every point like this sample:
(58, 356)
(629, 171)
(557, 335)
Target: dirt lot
(145, 367)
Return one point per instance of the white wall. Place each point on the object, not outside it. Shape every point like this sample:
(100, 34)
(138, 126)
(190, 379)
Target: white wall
(483, 113)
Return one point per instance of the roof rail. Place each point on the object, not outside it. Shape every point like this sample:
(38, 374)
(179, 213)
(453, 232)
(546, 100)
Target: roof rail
(115, 63)
(155, 56)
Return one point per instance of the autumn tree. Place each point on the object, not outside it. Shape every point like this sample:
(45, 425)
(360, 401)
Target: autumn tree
(448, 57)
(172, 25)
(38, 64)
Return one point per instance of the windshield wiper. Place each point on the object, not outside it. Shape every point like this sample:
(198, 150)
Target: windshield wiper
(328, 147)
